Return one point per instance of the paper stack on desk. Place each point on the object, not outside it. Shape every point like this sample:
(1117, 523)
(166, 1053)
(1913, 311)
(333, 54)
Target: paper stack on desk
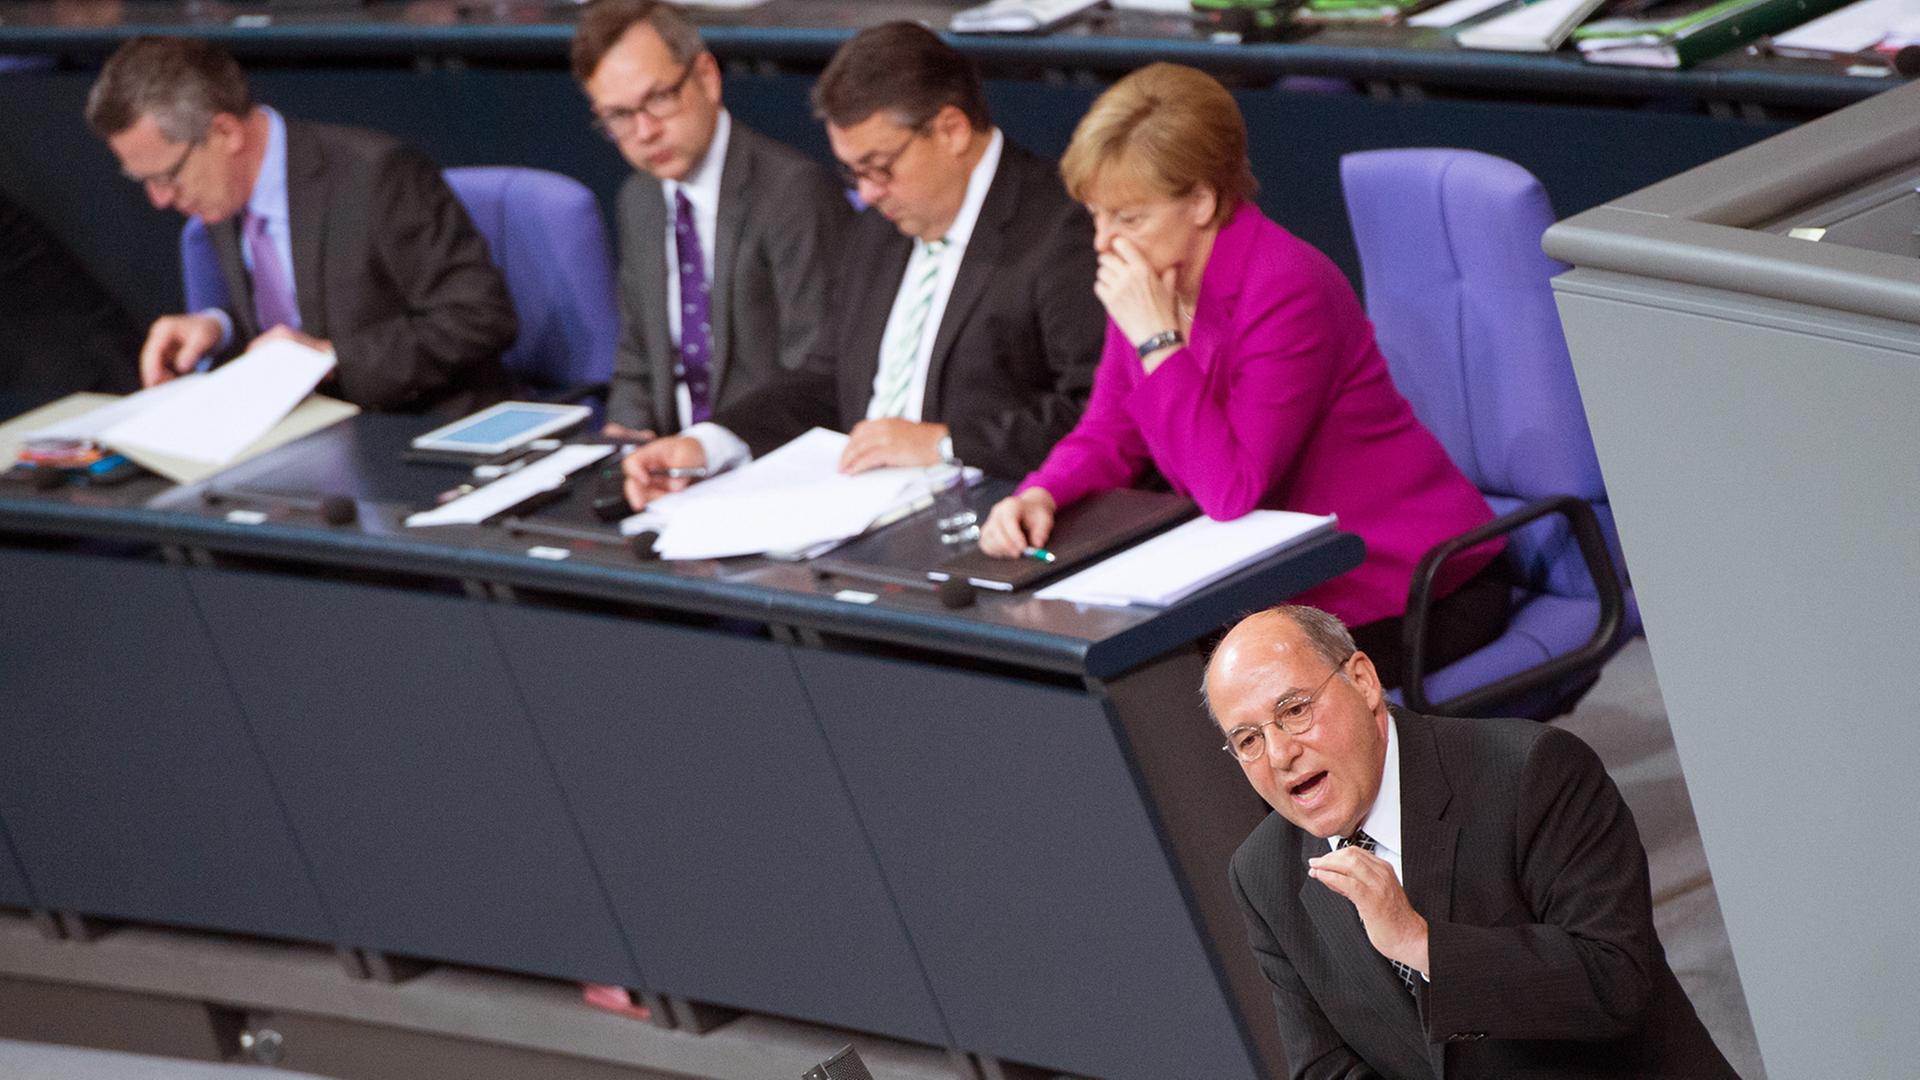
(1185, 559)
(795, 500)
(190, 427)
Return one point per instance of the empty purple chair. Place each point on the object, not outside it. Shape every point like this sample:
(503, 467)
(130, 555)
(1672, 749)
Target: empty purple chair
(1458, 291)
(545, 233)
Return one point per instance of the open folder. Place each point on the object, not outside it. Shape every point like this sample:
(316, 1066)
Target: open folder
(1081, 533)
(1184, 560)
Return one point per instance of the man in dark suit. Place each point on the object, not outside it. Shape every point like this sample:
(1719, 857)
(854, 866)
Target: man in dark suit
(965, 324)
(724, 233)
(1522, 943)
(339, 238)
(59, 330)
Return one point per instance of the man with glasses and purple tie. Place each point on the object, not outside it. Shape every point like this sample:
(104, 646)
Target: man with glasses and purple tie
(724, 233)
(964, 322)
(339, 238)
(1438, 897)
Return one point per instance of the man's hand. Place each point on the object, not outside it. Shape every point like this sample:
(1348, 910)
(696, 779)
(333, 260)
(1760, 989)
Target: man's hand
(625, 434)
(647, 469)
(1394, 928)
(1017, 523)
(175, 343)
(874, 444)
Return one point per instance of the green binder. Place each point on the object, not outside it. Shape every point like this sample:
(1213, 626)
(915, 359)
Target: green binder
(1681, 35)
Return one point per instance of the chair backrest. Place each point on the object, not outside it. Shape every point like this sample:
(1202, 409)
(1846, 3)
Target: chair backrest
(545, 233)
(1459, 294)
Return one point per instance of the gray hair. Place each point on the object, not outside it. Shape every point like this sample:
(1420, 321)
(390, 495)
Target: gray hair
(1325, 634)
(182, 82)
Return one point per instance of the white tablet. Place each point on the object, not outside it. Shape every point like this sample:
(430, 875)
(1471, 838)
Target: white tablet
(502, 427)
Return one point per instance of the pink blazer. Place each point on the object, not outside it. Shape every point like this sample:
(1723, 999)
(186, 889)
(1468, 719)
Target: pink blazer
(1281, 400)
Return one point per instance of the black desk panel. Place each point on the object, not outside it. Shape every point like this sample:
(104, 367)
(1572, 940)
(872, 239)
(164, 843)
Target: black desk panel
(131, 785)
(14, 892)
(707, 796)
(411, 774)
(1025, 858)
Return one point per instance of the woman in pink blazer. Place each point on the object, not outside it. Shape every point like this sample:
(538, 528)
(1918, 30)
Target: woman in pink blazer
(1239, 362)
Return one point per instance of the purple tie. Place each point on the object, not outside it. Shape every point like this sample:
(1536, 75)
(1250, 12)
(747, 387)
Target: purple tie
(696, 331)
(272, 292)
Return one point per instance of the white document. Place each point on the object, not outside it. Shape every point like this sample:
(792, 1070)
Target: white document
(1539, 27)
(793, 500)
(1165, 7)
(1185, 559)
(1016, 16)
(514, 488)
(1453, 13)
(1851, 29)
(94, 424)
(210, 418)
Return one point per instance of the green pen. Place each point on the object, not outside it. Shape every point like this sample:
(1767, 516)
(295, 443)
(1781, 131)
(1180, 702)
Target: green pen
(1036, 553)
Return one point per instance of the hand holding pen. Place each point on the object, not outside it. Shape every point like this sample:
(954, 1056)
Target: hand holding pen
(661, 467)
(1019, 525)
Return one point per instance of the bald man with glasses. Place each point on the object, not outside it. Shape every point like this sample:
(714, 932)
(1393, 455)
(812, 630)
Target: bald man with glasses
(725, 234)
(342, 239)
(1438, 897)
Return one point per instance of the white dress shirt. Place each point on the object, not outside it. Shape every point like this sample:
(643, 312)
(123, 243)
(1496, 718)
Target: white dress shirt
(725, 450)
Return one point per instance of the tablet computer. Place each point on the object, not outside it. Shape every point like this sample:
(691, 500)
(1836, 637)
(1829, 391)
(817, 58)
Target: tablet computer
(502, 427)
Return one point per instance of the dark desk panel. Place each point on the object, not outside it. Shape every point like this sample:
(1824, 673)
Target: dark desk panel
(14, 892)
(411, 774)
(1025, 856)
(131, 785)
(705, 793)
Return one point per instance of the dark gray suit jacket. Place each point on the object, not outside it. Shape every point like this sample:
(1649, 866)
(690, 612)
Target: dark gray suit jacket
(780, 215)
(390, 269)
(1014, 356)
(1527, 867)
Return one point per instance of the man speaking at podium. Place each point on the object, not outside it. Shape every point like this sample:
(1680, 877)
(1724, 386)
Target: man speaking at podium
(1438, 897)
(338, 238)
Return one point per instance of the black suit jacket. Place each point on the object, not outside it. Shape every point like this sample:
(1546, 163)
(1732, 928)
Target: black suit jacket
(1527, 866)
(387, 266)
(59, 330)
(1013, 359)
(780, 215)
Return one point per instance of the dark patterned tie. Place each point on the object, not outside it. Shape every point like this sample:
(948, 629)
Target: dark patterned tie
(1361, 840)
(696, 329)
(273, 300)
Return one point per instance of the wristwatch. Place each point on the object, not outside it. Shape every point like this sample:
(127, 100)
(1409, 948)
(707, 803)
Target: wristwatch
(1159, 341)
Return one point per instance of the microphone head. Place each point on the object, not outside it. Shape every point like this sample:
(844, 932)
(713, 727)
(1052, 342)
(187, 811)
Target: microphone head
(338, 510)
(954, 592)
(1907, 61)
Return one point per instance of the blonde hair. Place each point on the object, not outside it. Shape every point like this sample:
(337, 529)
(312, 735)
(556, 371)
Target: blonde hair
(1167, 129)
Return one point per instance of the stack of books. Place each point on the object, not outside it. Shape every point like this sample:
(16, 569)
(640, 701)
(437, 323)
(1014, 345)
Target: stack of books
(1684, 32)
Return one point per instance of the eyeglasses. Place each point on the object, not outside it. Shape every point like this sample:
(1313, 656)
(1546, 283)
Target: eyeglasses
(1293, 715)
(661, 104)
(170, 176)
(877, 170)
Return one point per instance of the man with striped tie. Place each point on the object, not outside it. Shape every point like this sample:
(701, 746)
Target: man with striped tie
(964, 324)
(343, 239)
(1438, 897)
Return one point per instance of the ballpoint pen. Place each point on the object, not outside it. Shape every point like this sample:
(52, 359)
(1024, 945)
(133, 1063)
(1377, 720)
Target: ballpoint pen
(1041, 554)
(681, 472)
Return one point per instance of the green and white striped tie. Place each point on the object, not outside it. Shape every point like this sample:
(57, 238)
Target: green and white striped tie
(903, 347)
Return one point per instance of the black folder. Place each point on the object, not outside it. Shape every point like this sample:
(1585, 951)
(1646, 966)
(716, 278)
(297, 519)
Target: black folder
(1082, 533)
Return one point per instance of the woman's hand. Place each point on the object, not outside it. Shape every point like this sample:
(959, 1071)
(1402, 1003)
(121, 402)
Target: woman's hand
(1018, 522)
(1140, 302)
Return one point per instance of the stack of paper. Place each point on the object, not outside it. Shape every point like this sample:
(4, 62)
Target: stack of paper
(794, 500)
(1855, 28)
(1539, 27)
(1017, 16)
(512, 489)
(1684, 32)
(189, 427)
(1185, 559)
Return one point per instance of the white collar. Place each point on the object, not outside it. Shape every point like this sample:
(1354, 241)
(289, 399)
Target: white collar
(978, 181)
(703, 183)
(1383, 820)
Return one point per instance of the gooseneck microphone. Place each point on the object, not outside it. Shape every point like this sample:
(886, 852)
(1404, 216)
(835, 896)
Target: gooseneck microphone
(332, 509)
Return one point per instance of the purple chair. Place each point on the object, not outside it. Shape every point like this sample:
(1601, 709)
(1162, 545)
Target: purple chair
(1458, 291)
(546, 235)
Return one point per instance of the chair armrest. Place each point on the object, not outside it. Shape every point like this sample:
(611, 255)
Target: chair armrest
(1600, 566)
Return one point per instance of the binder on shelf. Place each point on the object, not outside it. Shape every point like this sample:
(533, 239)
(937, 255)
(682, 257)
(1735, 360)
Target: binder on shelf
(1683, 34)
(1540, 26)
